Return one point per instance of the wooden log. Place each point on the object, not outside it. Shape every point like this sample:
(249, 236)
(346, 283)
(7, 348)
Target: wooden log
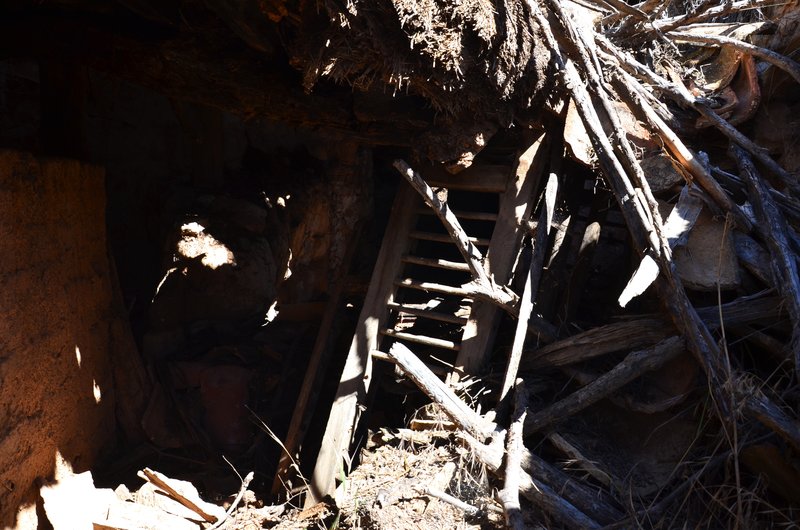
(644, 332)
(509, 495)
(466, 418)
(478, 429)
(633, 366)
(774, 230)
(598, 341)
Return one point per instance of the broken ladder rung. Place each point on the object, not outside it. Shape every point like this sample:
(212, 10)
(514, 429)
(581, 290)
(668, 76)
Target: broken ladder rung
(422, 339)
(444, 238)
(435, 288)
(464, 215)
(427, 313)
(437, 263)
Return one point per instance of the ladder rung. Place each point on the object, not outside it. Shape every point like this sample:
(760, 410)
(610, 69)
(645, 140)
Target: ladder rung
(437, 263)
(464, 215)
(438, 370)
(422, 339)
(444, 238)
(427, 313)
(434, 288)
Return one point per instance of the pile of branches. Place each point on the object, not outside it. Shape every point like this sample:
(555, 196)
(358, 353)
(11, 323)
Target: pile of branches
(740, 467)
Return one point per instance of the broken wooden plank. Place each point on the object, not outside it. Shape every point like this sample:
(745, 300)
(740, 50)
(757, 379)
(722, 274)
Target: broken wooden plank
(424, 312)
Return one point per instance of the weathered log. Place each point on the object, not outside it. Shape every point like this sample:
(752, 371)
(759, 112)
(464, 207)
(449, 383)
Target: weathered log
(476, 429)
(773, 229)
(633, 366)
(466, 418)
(645, 332)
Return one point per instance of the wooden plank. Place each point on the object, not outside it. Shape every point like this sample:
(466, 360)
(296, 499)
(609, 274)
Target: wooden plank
(480, 178)
(437, 263)
(515, 206)
(428, 313)
(422, 339)
(357, 373)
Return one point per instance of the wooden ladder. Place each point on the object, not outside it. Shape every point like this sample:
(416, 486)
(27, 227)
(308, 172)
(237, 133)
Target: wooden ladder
(415, 294)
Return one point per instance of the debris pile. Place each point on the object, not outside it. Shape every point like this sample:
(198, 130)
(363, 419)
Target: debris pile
(651, 323)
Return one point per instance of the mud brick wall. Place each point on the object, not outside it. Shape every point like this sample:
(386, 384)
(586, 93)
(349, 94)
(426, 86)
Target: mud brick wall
(56, 325)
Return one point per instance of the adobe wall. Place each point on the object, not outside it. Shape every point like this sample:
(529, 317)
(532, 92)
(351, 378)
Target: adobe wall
(57, 321)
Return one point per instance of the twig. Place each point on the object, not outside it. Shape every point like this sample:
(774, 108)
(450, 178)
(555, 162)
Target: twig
(509, 495)
(781, 61)
(245, 483)
(449, 499)
(151, 476)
